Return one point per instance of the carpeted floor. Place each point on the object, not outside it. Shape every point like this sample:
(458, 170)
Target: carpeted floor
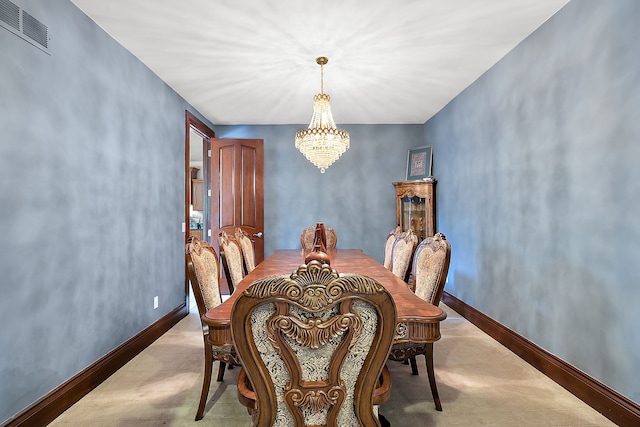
(480, 383)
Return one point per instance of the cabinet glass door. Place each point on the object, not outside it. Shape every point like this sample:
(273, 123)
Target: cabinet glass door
(413, 215)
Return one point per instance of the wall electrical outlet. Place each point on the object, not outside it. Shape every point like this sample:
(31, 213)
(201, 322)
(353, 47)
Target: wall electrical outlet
(155, 302)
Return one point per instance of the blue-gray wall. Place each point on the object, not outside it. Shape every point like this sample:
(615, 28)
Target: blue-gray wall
(355, 196)
(91, 201)
(539, 189)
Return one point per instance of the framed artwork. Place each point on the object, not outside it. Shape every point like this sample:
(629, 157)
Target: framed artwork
(419, 162)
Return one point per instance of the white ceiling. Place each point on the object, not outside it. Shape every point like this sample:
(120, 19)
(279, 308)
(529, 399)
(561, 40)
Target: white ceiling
(253, 61)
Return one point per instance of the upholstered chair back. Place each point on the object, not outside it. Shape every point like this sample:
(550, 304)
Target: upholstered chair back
(248, 251)
(231, 256)
(306, 238)
(430, 267)
(313, 346)
(388, 246)
(204, 272)
(402, 254)
(308, 234)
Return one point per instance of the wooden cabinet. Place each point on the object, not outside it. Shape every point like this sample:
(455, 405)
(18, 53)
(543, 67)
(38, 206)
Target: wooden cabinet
(197, 195)
(197, 233)
(416, 206)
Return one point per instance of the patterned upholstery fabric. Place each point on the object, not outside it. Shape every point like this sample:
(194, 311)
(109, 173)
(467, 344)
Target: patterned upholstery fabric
(233, 257)
(248, 251)
(321, 357)
(430, 266)
(308, 234)
(313, 347)
(402, 254)
(332, 238)
(306, 238)
(205, 266)
(388, 247)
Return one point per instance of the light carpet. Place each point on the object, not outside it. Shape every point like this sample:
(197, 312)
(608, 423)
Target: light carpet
(480, 383)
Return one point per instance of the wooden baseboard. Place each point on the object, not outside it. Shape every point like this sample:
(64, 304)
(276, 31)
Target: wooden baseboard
(62, 398)
(603, 399)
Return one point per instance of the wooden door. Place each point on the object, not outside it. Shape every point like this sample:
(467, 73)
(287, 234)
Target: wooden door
(237, 199)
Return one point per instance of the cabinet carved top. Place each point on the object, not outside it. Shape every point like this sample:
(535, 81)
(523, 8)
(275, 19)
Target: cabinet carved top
(421, 188)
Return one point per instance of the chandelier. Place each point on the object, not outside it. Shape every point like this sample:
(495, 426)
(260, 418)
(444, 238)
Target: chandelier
(322, 143)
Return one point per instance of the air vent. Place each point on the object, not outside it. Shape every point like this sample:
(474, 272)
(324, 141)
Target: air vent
(24, 25)
(34, 29)
(10, 14)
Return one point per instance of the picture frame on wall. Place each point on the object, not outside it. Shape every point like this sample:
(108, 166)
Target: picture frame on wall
(419, 162)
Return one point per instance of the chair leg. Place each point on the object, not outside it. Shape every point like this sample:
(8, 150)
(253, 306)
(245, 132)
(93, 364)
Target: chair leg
(414, 366)
(223, 365)
(432, 377)
(208, 368)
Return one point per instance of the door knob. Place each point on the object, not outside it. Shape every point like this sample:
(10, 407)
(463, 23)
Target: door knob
(258, 235)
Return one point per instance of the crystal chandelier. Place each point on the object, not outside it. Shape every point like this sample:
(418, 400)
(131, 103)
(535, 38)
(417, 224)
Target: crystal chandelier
(322, 143)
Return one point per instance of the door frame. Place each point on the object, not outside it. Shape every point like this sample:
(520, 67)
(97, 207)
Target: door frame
(191, 121)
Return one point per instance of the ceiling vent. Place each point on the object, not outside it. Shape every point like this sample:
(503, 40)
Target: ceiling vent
(24, 25)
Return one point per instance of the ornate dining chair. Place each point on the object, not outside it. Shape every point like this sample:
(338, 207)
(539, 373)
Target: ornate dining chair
(308, 234)
(430, 269)
(313, 347)
(203, 272)
(248, 251)
(388, 246)
(231, 256)
(402, 254)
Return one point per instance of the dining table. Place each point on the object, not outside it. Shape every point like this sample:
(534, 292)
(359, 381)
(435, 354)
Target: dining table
(417, 321)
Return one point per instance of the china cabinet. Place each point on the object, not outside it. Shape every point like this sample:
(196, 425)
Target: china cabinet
(416, 206)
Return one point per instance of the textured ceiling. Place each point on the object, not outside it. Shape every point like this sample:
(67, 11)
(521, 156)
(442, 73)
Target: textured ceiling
(253, 61)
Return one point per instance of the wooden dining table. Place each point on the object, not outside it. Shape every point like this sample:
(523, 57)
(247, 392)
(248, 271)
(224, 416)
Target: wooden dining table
(417, 321)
